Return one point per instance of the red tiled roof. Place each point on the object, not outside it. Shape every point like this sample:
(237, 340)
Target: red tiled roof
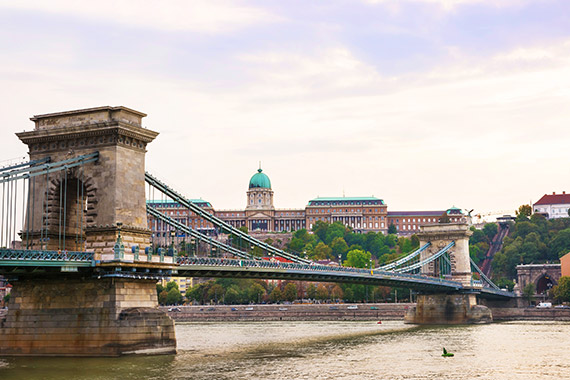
(553, 199)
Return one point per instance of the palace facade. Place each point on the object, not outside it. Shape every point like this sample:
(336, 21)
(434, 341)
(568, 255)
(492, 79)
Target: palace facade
(362, 214)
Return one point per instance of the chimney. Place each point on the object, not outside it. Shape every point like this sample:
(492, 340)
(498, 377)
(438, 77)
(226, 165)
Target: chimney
(554, 193)
(563, 192)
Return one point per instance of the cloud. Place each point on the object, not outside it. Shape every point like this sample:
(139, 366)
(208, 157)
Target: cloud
(205, 16)
(450, 5)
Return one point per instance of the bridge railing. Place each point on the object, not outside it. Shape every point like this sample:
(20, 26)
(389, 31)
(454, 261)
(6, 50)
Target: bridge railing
(36, 255)
(210, 261)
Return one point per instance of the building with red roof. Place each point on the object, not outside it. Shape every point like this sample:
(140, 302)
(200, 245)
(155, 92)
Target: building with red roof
(553, 205)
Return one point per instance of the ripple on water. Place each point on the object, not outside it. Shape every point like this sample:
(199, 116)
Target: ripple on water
(330, 350)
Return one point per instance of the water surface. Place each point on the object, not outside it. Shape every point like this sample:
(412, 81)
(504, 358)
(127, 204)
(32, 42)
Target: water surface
(330, 350)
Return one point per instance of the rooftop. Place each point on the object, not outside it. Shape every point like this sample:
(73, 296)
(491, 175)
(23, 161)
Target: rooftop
(554, 199)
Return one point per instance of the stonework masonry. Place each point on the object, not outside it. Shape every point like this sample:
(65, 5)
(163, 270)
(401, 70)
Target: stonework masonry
(85, 317)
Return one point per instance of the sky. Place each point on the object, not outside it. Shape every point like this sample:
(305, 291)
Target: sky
(425, 104)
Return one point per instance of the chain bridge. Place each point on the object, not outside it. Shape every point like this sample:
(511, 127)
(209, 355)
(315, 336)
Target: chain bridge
(77, 247)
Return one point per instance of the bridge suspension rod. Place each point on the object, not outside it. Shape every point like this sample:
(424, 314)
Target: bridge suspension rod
(173, 223)
(426, 261)
(218, 222)
(23, 164)
(48, 168)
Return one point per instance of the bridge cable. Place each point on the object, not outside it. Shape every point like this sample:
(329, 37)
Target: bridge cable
(173, 223)
(405, 259)
(485, 278)
(218, 222)
(425, 261)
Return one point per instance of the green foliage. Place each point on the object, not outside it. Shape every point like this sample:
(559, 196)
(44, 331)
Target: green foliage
(322, 292)
(561, 291)
(171, 285)
(276, 295)
(357, 258)
(173, 296)
(6, 298)
(290, 292)
(392, 229)
(321, 252)
(490, 230)
(533, 240)
(528, 291)
(312, 291)
(163, 297)
(524, 210)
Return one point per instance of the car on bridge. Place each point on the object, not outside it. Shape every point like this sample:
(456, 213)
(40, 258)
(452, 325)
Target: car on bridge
(352, 307)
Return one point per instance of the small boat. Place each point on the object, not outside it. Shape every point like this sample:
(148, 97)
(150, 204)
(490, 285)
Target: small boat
(446, 354)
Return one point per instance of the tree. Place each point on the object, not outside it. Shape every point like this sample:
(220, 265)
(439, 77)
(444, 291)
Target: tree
(173, 296)
(490, 230)
(290, 292)
(528, 292)
(232, 296)
(348, 295)
(337, 293)
(560, 245)
(215, 293)
(339, 247)
(171, 285)
(562, 290)
(255, 292)
(357, 258)
(276, 295)
(392, 229)
(312, 291)
(322, 252)
(322, 292)
(163, 297)
(524, 210)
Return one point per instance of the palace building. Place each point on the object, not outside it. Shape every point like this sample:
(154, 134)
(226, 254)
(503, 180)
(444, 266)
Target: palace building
(362, 214)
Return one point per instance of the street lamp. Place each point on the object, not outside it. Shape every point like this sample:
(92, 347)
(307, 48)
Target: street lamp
(192, 242)
(172, 235)
(339, 260)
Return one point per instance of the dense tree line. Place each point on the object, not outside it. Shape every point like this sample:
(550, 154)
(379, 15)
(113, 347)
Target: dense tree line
(533, 239)
(480, 241)
(334, 241)
(246, 291)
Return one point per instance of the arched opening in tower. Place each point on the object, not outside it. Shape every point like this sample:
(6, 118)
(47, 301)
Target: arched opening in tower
(68, 214)
(544, 284)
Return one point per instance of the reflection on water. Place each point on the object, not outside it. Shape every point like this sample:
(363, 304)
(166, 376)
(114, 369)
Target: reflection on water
(330, 350)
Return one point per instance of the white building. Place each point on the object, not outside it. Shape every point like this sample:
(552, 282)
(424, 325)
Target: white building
(553, 205)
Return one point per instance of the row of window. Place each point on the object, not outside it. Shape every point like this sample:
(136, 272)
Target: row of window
(346, 203)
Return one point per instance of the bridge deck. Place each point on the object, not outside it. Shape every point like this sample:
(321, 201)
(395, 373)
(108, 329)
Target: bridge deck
(19, 261)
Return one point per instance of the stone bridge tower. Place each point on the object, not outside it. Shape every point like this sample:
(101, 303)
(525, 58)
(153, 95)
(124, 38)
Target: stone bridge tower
(440, 235)
(454, 308)
(98, 196)
(103, 310)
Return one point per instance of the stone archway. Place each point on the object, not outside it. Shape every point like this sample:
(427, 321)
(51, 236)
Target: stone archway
(544, 283)
(71, 205)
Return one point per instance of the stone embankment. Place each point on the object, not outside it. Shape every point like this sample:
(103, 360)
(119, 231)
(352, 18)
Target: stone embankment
(530, 314)
(306, 312)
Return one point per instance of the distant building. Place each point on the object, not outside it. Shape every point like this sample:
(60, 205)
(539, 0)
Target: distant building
(553, 205)
(362, 214)
(565, 265)
(409, 222)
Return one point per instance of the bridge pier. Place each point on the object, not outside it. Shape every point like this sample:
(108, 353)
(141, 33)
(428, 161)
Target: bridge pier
(72, 316)
(459, 308)
(447, 309)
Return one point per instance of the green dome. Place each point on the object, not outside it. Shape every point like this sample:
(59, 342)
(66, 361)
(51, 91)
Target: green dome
(259, 180)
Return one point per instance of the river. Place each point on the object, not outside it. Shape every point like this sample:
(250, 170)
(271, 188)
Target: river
(330, 350)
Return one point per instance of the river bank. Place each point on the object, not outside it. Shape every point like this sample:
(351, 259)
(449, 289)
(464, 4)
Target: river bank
(294, 312)
(338, 312)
